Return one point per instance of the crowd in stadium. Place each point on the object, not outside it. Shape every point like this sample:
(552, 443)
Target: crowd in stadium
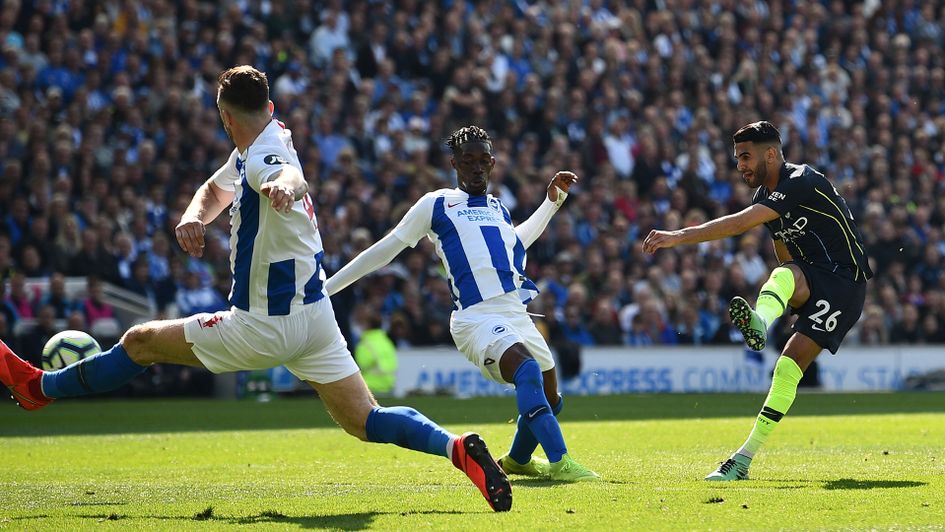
(108, 124)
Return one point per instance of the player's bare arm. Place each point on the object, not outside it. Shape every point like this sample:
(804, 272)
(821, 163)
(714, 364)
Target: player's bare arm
(561, 181)
(723, 227)
(208, 202)
(284, 188)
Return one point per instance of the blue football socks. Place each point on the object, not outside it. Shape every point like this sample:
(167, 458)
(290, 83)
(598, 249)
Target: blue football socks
(533, 407)
(524, 442)
(98, 373)
(404, 426)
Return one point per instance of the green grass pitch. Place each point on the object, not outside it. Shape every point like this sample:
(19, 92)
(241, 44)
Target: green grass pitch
(836, 462)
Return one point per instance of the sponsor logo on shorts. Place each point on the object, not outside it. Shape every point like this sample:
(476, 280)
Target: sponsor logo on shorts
(211, 322)
(499, 329)
(488, 361)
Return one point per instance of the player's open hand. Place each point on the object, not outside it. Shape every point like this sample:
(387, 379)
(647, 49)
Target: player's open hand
(561, 181)
(189, 234)
(660, 239)
(280, 195)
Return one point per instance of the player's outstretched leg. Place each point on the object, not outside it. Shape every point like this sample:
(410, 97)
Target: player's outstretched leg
(22, 379)
(770, 305)
(534, 408)
(408, 428)
(33, 388)
(519, 460)
(787, 374)
(98, 373)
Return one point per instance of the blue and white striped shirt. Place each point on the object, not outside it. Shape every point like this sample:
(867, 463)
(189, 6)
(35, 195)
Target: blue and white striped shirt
(275, 257)
(474, 237)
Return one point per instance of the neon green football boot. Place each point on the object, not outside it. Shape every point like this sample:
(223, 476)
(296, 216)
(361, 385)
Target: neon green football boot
(735, 468)
(536, 467)
(567, 470)
(752, 327)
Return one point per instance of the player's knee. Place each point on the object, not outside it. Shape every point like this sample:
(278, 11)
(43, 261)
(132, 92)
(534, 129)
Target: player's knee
(354, 422)
(512, 360)
(355, 429)
(137, 341)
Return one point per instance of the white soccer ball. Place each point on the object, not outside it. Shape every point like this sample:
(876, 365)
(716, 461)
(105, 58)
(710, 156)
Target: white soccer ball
(67, 348)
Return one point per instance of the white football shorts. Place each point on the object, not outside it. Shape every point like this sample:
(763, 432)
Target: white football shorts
(307, 342)
(484, 334)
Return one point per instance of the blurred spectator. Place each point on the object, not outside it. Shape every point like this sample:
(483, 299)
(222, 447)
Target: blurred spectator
(573, 327)
(22, 299)
(93, 259)
(603, 327)
(32, 342)
(194, 296)
(58, 298)
(375, 353)
(8, 308)
(94, 306)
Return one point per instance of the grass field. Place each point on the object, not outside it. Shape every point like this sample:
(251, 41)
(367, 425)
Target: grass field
(836, 462)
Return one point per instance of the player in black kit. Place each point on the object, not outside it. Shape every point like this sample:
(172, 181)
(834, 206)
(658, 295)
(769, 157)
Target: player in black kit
(822, 276)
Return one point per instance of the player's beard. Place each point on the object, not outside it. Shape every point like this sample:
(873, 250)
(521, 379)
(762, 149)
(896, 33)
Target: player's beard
(758, 175)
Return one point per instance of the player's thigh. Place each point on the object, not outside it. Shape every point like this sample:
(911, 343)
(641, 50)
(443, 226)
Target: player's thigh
(833, 308)
(348, 401)
(801, 286)
(159, 342)
(485, 339)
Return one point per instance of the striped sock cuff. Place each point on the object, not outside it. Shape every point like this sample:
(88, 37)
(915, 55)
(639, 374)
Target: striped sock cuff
(771, 414)
(775, 296)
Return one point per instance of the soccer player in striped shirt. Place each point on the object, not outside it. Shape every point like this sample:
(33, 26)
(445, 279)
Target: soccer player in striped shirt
(484, 256)
(279, 313)
(822, 276)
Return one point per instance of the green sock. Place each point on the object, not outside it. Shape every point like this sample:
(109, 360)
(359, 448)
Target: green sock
(775, 294)
(783, 390)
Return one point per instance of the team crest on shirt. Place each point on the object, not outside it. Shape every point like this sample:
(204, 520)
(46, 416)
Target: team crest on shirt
(275, 159)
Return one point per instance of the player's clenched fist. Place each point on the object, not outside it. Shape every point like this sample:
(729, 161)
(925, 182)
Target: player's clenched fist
(190, 236)
(281, 196)
(659, 239)
(561, 181)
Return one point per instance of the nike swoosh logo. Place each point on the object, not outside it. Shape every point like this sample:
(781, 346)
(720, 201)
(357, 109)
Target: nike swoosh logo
(451, 205)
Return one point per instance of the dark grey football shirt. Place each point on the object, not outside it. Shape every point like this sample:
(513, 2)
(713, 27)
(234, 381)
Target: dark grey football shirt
(815, 222)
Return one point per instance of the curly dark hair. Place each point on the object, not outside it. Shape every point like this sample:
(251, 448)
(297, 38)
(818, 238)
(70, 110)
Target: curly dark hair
(467, 134)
